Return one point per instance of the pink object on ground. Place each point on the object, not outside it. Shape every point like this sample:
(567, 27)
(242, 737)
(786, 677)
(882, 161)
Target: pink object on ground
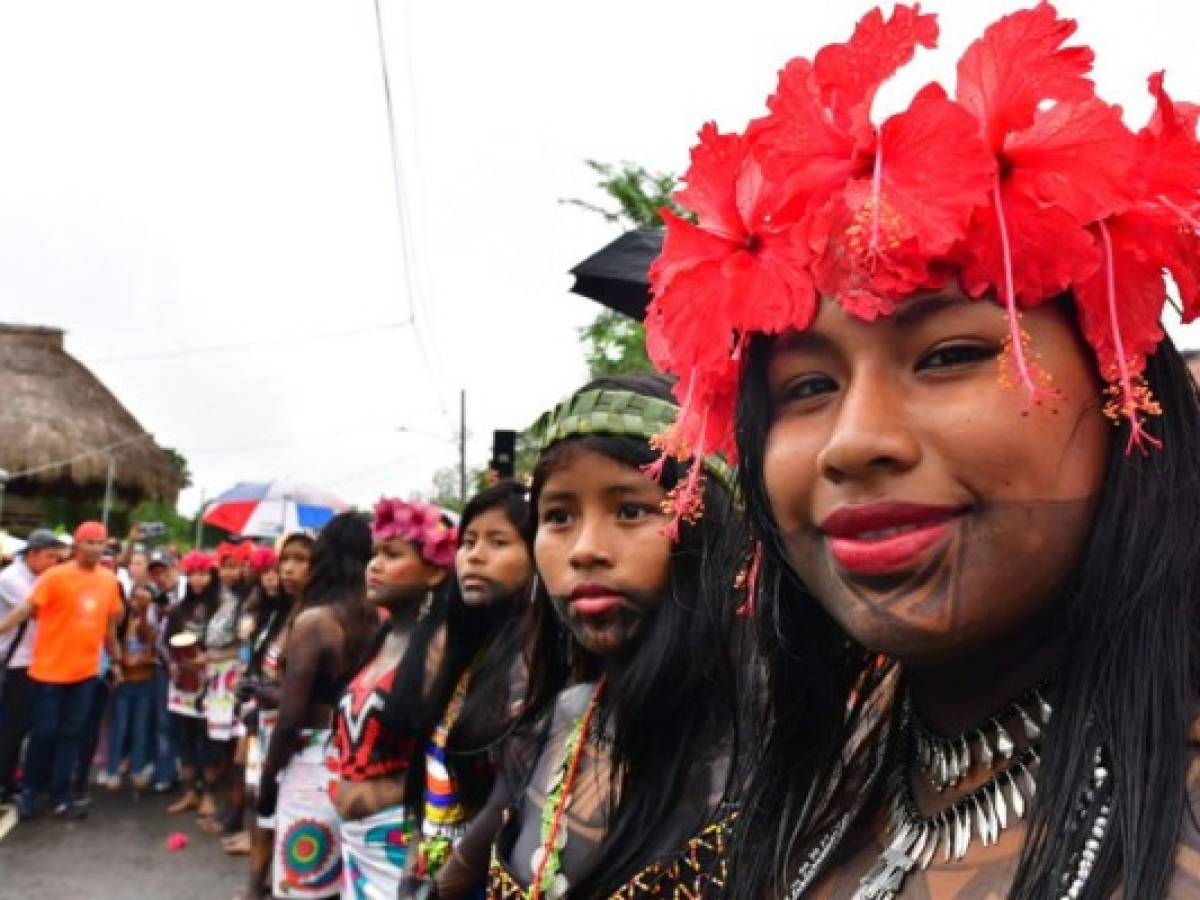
(177, 841)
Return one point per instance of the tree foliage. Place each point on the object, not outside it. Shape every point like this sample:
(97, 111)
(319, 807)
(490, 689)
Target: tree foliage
(614, 344)
(639, 193)
(447, 491)
(180, 463)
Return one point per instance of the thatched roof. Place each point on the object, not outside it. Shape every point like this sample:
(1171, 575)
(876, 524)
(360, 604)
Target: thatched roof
(52, 408)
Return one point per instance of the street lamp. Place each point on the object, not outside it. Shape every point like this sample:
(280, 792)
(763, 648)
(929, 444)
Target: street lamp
(4, 476)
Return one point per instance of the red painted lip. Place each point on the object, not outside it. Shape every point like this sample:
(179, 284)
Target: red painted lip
(596, 599)
(851, 534)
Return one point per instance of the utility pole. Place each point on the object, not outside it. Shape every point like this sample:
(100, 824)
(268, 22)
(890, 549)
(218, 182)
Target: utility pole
(108, 489)
(462, 446)
(200, 521)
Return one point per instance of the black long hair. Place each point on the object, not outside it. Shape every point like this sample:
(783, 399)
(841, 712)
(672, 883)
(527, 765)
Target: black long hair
(337, 578)
(488, 640)
(1128, 681)
(489, 634)
(676, 700)
(185, 610)
(274, 612)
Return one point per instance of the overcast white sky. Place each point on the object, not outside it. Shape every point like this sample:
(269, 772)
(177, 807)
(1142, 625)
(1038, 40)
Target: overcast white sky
(181, 175)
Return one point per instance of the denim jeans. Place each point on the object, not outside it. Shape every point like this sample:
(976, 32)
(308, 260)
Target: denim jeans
(166, 756)
(92, 729)
(60, 713)
(132, 718)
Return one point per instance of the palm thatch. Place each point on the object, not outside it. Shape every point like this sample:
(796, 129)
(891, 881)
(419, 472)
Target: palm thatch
(53, 409)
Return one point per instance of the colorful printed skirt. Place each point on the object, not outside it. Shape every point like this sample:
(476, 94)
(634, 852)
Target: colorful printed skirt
(308, 858)
(220, 699)
(374, 851)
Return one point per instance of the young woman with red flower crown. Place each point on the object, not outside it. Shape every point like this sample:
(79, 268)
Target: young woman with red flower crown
(969, 457)
(615, 779)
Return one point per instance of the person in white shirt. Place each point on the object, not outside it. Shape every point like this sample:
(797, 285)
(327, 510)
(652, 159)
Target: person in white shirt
(42, 550)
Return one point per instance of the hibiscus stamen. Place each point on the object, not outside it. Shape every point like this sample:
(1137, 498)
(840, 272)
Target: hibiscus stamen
(685, 501)
(1027, 371)
(1132, 400)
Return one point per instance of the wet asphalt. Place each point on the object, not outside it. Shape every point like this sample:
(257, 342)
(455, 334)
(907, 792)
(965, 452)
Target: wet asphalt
(119, 852)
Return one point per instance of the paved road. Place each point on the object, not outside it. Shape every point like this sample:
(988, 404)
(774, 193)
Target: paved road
(117, 853)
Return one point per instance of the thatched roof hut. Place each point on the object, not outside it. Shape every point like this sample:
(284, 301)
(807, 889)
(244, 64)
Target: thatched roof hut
(59, 427)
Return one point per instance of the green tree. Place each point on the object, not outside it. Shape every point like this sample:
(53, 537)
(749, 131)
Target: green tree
(614, 344)
(179, 461)
(640, 194)
(447, 490)
(181, 531)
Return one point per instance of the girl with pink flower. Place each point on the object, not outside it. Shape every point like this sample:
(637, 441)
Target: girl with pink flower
(394, 700)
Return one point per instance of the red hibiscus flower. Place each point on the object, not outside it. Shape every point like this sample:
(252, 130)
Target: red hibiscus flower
(882, 201)
(739, 262)
(1121, 304)
(1063, 158)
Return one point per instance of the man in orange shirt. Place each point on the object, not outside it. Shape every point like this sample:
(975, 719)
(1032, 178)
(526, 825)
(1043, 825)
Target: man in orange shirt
(77, 607)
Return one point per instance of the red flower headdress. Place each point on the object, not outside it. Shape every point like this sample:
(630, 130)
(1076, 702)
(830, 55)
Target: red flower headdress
(418, 523)
(263, 559)
(196, 561)
(1025, 185)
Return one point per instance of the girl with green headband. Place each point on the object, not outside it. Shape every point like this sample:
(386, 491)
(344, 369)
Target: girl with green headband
(615, 780)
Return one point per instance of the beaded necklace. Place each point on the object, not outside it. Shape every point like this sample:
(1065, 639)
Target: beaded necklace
(548, 878)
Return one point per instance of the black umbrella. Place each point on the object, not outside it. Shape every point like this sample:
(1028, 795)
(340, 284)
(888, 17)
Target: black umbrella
(617, 276)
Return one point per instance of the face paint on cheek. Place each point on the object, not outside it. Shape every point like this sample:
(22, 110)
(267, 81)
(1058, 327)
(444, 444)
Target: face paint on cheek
(1000, 572)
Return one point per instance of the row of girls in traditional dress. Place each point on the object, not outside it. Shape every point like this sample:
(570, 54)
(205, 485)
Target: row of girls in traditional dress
(536, 695)
(221, 642)
(972, 602)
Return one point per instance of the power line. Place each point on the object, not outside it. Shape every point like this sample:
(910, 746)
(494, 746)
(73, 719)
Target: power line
(251, 345)
(406, 234)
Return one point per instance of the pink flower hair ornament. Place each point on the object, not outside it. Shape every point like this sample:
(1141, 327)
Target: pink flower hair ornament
(1023, 185)
(418, 523)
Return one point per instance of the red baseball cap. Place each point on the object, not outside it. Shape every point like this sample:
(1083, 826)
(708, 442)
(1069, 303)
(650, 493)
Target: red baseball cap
(91, 531)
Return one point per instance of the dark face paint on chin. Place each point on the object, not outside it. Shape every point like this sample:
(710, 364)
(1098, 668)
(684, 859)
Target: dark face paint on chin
(1000, 573)
(486, 591)
(615, 634)
(396, 597)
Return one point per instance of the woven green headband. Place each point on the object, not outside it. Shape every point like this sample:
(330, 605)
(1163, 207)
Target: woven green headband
(624, 413)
